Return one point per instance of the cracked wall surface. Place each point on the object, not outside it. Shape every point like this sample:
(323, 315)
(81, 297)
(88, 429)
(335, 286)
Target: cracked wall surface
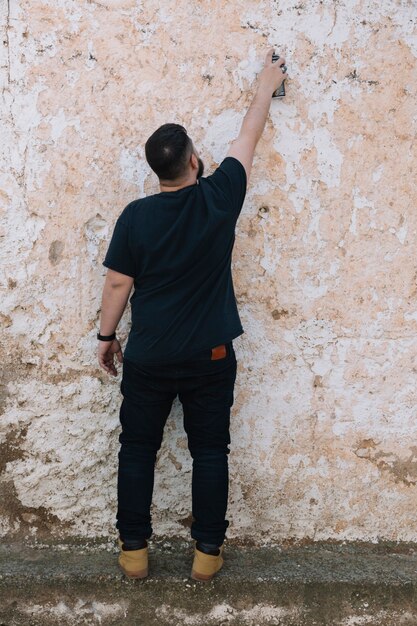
(324, 422)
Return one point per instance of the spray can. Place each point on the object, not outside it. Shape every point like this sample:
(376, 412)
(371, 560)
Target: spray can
(280, 92)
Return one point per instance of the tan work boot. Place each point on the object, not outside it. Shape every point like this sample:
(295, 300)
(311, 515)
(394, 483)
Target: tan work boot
(205, 566)
(134, 563)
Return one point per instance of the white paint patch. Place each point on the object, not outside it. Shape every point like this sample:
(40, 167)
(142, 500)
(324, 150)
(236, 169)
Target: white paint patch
(222, 130)
(411, 317)
(259, 188)
(146, 30)
(354, 141)
(210, 62)
(401, 233)
(248, 68)
(377, 174)
(315, 340)
(186, 68)
(329, 158)
(72, 77)
(311, 287)
(96, 230)
(322, 25)
(330, 97)
(314, 223)
(359, 202)
(23, 230)
(37, 169)
(47, 44)
(59, 123)
(292, 138)
(272, 256)
(27, 116)
(134, 168)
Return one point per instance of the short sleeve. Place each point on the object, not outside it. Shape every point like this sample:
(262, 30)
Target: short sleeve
(230, 179)
(119, 255)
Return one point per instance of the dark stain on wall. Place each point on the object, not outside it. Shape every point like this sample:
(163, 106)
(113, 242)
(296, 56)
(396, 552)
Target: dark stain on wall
(401, 470)
(27, 517)
(55, 252)
(278, 313)
(186, 521)
(10, 449)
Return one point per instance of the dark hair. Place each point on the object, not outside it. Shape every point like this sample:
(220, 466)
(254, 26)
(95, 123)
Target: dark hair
(168, 150)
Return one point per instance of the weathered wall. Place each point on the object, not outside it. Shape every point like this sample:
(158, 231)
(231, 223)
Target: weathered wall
(324, 423)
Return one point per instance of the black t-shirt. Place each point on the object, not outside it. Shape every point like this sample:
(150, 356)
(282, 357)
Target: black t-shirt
(177, 245)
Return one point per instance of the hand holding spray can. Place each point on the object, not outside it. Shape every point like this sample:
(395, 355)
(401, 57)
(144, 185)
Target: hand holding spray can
(280, 92)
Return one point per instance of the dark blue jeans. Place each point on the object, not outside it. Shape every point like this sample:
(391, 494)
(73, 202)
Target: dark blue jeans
(205, 388)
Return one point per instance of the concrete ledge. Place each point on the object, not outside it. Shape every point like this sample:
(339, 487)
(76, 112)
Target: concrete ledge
(337, 585)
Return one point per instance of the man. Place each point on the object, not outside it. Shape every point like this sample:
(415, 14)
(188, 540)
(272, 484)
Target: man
(175, 247)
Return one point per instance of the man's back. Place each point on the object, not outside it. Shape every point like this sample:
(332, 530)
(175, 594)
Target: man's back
(177, 246)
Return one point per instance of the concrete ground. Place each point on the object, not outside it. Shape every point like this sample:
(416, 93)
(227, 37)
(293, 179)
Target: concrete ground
(316, 584)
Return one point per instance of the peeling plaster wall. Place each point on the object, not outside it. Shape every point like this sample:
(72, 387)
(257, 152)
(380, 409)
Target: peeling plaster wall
(324, 422)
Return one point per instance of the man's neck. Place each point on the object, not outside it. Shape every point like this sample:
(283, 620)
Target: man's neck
(176, 186)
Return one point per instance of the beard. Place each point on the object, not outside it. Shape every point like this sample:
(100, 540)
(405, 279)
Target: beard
(200, 168)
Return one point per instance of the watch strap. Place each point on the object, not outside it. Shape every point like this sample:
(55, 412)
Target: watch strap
(106, 337)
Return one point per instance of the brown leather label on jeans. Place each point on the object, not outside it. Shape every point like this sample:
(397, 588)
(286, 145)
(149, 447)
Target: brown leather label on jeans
(219, 352)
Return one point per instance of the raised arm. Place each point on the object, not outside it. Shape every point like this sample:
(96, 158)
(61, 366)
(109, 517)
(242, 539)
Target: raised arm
(270, 78)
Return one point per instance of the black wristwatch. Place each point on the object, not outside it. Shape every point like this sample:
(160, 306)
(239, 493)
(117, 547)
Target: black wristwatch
(106, 337)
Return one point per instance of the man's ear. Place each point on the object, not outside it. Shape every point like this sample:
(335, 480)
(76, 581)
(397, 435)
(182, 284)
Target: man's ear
(194, 161)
